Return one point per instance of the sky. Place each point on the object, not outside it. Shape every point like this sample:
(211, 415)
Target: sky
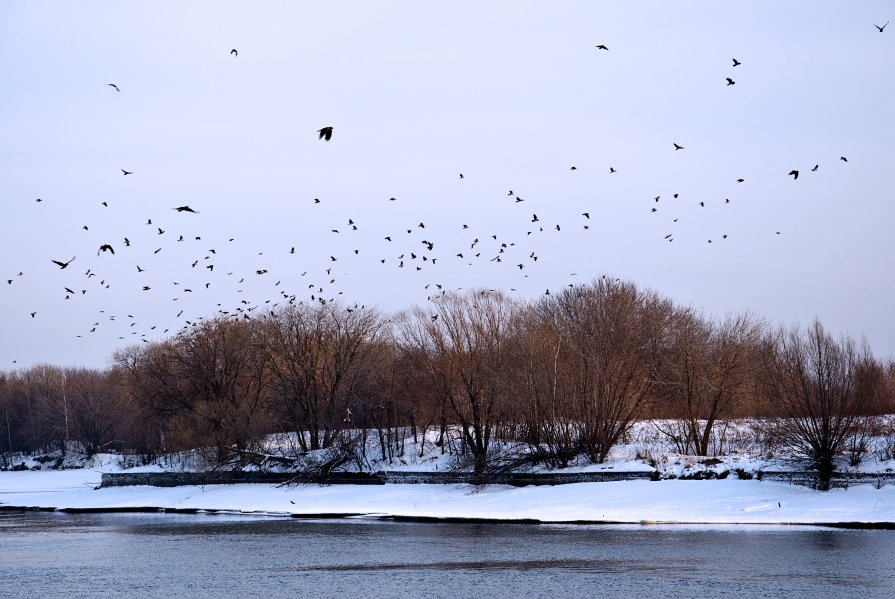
(510, 94)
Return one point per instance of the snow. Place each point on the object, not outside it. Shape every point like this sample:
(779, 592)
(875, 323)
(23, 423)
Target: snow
(669, 501)
(720, 501)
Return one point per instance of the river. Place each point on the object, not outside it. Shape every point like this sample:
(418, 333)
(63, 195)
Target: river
(176, 555)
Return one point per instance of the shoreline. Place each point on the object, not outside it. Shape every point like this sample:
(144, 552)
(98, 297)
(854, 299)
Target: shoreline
(435, 519)
(666, 502)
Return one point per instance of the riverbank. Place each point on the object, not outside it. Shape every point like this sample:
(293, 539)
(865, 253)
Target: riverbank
(727, 501)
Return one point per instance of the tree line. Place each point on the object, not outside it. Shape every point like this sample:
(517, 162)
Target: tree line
(503, 382)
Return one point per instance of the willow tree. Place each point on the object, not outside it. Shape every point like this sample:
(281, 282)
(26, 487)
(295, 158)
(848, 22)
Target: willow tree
(824, 389)
(461, 342)
(318, 360)
(616, 336)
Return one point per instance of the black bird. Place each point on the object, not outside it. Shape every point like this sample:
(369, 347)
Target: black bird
(185, 209)
(815, 167)
(127, 172)
(63, 264)
(461, 176)
(105, 248)
(325, 133)
(140, 269)
(678, 146)
(601, 47)
(736, 62)
(880, 28)
(611, 170)
(730, 81)
(234, 52)
(794, 173)
(740, 180)
(112, 85)
(586, 215)
(534, 218)
(843, 159)
(161, 231)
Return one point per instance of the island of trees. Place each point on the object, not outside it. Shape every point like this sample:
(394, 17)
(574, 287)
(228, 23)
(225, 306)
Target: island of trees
(505, 383)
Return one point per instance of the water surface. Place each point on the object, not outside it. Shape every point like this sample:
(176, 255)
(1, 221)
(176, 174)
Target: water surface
(176, 555)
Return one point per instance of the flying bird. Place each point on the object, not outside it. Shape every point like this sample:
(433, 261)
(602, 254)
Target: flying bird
(843, 159)
(127, 172)
(794, 173)
(185, 209)
(678, 146)
(816, 166)
(730, 81)
(611, 170)
(601, 47)
(234, 52)
(63, 264)
(112, 85)
(880, 28)
(105, 248)
(325, 133)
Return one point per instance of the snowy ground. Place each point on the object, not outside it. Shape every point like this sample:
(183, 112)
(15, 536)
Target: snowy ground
(725, 501)
(670, 501)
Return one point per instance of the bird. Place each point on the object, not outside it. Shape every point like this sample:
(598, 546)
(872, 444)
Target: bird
(586, 215)
(611, 170)
(185, 209)
(574, 168)
(678, 146)
(234, 52)
(33, 314)
(461, 176)
(740, 180)
(127, 172)
(105, 248)
(601, 47)
(140, 269)
(880, 28)
(325, 133)
(736, 62)
(115, 87)
(534, 218)
(816, 166)
(63, 264)
(843, 159)
(794, 173)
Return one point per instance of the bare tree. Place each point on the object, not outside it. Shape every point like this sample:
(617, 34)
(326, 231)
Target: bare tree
(616, 335)
(824, 390)
(317, 359)
(461, 343)
(708, 371)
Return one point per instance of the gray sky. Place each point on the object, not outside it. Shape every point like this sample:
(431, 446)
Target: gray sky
(511, 94)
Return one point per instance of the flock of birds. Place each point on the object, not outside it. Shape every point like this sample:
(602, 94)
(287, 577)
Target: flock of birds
(420, 255)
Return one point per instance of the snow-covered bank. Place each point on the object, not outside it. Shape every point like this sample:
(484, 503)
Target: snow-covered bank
(669, 501)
